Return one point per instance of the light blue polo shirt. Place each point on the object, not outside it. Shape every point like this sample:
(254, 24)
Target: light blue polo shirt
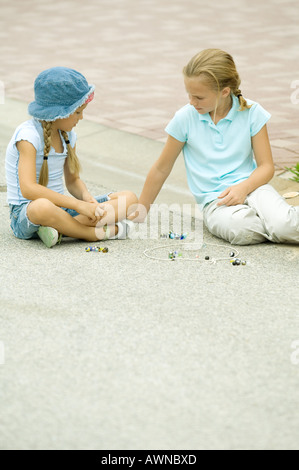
(32, 132)
(221, 155)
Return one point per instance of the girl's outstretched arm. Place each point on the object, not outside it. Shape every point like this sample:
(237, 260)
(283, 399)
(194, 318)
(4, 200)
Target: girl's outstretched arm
(157, 176)
(261, 175)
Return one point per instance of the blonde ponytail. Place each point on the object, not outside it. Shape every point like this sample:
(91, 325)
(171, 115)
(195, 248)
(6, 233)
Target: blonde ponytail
(219, 70)
(242, 101)
(44, 172)
(72, 159)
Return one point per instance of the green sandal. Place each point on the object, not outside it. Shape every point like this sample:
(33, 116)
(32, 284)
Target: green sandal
(49, 236)
(107, 232)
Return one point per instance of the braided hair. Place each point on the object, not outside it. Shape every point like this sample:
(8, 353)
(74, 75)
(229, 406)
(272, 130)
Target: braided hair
(44, 172)
(72, 159)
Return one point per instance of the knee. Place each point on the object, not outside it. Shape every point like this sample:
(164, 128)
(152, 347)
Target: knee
(243, 236)
(131, 198)
(235, 233)
(246, 229)
(131, 202)
(240, 227)
(40, 210)
(126, 196)
(285, 229)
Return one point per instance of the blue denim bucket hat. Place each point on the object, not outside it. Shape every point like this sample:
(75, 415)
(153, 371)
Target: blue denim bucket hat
(59, 91)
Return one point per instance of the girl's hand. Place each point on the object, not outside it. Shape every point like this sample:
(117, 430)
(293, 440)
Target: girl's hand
(87, 197)
(99, 211)
(88, 209)
(233, 195)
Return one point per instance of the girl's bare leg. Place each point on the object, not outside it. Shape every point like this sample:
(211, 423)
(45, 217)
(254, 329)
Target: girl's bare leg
(121, 205)
(44, 212)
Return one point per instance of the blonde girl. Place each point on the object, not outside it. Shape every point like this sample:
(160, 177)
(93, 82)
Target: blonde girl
(42, 151)
(227, 156)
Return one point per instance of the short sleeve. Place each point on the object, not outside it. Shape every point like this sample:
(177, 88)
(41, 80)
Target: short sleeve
(178, 126)
(28, 134)
(258, 118)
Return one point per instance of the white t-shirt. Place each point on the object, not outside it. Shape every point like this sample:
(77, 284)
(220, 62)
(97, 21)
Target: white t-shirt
(32, 132)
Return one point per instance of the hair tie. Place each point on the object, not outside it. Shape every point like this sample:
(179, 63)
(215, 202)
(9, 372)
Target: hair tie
(240, 94)
(45, 157)
(67, 142)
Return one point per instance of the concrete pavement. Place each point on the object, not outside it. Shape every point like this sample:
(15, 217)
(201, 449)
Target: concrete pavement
(118, 351)
(134, 52)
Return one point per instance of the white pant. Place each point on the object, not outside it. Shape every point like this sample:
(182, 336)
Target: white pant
(265, 215)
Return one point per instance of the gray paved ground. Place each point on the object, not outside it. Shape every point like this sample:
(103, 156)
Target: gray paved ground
(119, 351)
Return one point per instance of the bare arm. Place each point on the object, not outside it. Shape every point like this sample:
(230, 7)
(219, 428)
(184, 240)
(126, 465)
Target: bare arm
(263, 156)
(76, 186)
(32, 190)
(261, 175)
(160, 171)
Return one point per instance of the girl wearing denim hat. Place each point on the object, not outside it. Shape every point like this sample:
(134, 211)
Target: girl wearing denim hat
(42, 151)
(227, 156)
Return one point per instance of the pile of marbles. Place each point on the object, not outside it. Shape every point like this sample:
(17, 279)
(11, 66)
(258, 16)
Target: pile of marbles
(236, 261)
(174, 236)
(96, 249)
(173, 255)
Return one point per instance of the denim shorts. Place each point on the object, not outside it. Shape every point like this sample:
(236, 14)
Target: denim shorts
(23, 228)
